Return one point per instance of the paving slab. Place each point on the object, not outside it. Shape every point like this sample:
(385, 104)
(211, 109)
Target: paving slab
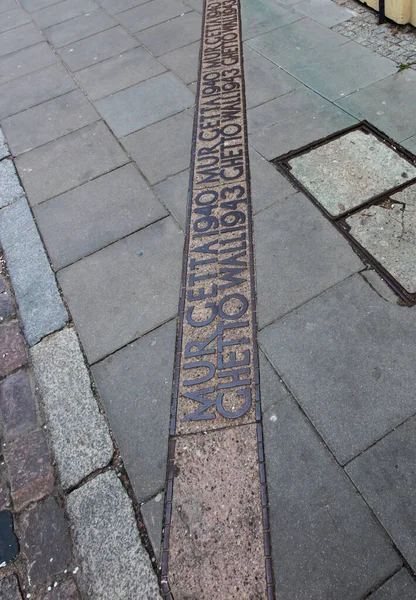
(357, 165)
(26, 61)
(17, 405)
(86, 219)
(7, 5)
(68, 162)
(384, 475)
(137, 403)
(195, 4)
(9, 588)
(107, 539)
(264, 15)
(410, 144)
(95, 48)
(299, 254)
(118, 72)
(325, 12)
(145, 103)
(79, 434)
(32, 5)
(296, 132)
(174, 194)
(171, 143)
(62, 11)
(12, 348)
(351, 376)
(263, 79)
(47, 121)
(173, 34)
(40, 305)
(326, 542)
(272, 388)
(77, 28)
(10, 188)
(400, 586)
(183, 62)
(152, 512)
(116, 6)
(374, 103)
(107, 321)
(151, 13)
(4, 149)
(21, 37)
(33, 89)
(13, 18)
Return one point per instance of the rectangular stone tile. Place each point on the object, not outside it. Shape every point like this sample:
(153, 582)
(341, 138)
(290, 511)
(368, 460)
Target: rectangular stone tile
(299, 254)
(173, 34)
(264, 80)
(87, 218)
(48, 121)
(384, 475)
(410, 144)
(174, 194)
(40, 305)
(195, 4)
(26, 61)
(374, 103)
(183, 62)
(151, 13)
(259, 16)
(116, 6)
(68, 162)
(170, 141)
(119, 72)
(13, 18)
(17, 405)
(12, 348)
(298, 131)
(272, 388)
(16, 39)
(4, 149)
(326, 542)
(7, 5)
(145, 103)
(63, 11)
(324, 11)
(152, 512)
(77, 28)
(343, 368)
(400, 586)
(135, 386)
(125, 290)
(10, 188)
(96, 48)
(79, 434)
(34, 88)
(32, 5)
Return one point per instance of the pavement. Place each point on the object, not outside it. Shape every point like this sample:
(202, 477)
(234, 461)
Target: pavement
(97, 100)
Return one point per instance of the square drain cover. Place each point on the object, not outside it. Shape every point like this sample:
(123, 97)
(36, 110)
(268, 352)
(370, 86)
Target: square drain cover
(366, 185)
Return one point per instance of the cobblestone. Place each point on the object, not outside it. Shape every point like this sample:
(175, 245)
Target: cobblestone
(9, 589)
(12, 348)
(6, 306)
(66, 590)
(17, 405)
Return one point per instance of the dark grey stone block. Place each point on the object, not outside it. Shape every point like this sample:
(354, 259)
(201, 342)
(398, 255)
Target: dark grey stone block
(26, 61)
(87, 218)
(69, 161)
(16, 39)
(347, 356)
(259, 16)
(400, 586)
(145, 103)
(174, 194)
(9, 588)
(135, 386)
(13, 18)
(385, 476)
(151, 13)
(48, 121)
(125, 290)
(173, 34)
(79, 27)
(62, 11)
(183, 62)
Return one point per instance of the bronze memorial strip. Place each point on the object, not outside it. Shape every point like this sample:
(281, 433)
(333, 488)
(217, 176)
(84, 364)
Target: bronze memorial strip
(216, 539)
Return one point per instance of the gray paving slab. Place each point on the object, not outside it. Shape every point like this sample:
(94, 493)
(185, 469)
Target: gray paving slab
(16, 39)
(77, 28)
(80, 438)
(195, 4)
(4, 149)
(32, 5)
(384, 475)
(299, 131)
(40, 305)
(34, 88)
(272, 388)
(10, 188)
(263, 79)
(116, 6)
(107, 540)
(95, 48)
(119, 72)
(401, 585)
(135, 386)
(151, 13)
(125, 290)
(26, 61)
(152, 512)
(379, 285)
(183, 62)
(87, 218)
(299, 254)
(174, 194)
(62, 11)
(410, 144)
(326, 542)
(325, 12)
(145, 103)
(352, 376)
(260, 16)
(292, 105)
(68, 162)
(374, 103)
(171, 143)
(13, 18)
(47, 121)
(7, 5)
(173, 34)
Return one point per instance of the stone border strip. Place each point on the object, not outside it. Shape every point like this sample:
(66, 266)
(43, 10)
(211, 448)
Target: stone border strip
(216, 541)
